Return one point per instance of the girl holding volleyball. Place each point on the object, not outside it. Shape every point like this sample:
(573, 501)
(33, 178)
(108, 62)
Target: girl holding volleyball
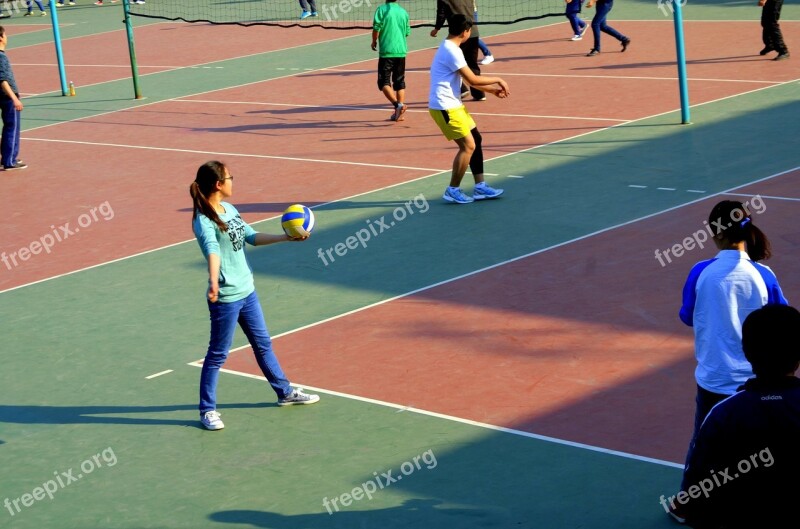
(717, 297)
(222, 234)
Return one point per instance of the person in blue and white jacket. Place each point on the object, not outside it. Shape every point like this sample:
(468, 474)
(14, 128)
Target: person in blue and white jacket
(718, 295)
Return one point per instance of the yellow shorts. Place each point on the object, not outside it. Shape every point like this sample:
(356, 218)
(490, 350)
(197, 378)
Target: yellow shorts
(455, 123)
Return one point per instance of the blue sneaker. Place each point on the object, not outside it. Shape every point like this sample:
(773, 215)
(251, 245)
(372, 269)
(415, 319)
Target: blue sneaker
(483, 192)
(305, 14)
(456, 196)
(314, 14)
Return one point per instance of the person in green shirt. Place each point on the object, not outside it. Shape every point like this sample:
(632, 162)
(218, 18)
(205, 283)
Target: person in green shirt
(390, 28)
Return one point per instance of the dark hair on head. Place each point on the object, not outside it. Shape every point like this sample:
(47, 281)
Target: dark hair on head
(2, 31)
(732, 222)
(769, 340)
(205, 183)
(458, 24)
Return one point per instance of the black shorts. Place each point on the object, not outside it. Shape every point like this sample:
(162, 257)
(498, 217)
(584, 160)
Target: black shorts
(392, 71)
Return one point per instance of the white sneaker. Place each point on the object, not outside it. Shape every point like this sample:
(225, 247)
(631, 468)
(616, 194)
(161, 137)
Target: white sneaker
(577, 37)
(298, 397)
(211, 420)
(489, 59)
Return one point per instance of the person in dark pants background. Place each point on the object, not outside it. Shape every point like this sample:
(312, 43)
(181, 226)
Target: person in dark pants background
(599, 24)
(11, 108)
(771, 30)
(444, 10)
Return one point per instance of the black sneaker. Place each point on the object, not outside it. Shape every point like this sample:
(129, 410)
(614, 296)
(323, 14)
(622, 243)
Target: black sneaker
(766, 50)
(781, 56)
(593, 52)
(18, 165)
(625, 44)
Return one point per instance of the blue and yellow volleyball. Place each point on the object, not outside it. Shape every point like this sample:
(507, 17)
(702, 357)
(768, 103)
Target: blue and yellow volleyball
(297, 221)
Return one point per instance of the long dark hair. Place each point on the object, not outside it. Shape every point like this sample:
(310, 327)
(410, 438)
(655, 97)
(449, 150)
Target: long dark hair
(733, 223)
(205, 183)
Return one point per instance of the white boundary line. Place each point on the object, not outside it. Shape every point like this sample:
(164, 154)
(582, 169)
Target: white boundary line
(567, 76)
(233, 154)
(376, 109)
(166, 371)
(521, 433)
(763, 196)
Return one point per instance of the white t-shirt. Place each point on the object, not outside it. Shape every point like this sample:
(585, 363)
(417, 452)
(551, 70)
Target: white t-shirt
(445, 79)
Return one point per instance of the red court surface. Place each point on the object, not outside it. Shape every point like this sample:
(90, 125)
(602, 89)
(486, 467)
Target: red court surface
(149, 194)
(276, 120)
(607, 363)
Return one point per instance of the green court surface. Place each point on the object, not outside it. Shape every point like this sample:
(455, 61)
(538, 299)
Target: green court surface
(90, 439)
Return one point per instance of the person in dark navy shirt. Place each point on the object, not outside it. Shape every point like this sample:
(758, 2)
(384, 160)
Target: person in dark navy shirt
(741, 467)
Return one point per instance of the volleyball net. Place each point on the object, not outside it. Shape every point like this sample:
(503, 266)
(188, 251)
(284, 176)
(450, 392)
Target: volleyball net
(333, 14)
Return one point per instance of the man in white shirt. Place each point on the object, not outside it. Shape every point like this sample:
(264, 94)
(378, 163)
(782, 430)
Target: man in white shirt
(448, 69)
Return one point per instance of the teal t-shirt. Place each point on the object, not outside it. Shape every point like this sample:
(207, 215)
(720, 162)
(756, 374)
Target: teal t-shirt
(391, 23)
(235, 274)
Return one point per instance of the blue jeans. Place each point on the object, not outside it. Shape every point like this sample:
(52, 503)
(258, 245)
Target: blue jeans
(224, 317)
(38, 4)
(573, 10)
(602, 8)
(9, 143)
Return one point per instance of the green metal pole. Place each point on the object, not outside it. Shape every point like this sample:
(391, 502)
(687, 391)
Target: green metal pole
(132, 49)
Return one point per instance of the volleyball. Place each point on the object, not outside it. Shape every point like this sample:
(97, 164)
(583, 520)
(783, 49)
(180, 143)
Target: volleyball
(297, 221)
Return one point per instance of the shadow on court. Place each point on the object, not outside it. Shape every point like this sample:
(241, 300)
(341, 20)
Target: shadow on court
(102, 414)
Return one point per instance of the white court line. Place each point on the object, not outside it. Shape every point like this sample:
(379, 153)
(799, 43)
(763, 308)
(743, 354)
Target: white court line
(375, 109)
(665, 188)
(126, 66)
(763, 196)
(581, 76)
(159, 374)
(469, 422)
(637, 186)
(234, 154)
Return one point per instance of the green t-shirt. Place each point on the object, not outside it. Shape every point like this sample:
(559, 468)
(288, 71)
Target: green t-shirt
(235, 275)
(391, 23)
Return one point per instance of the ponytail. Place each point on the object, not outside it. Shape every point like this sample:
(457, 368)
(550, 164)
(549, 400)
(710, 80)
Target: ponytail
(204, 184)
(734, 224)
(758, 245)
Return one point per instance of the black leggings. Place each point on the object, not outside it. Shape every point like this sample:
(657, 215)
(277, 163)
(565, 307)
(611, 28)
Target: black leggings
(476, 162)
